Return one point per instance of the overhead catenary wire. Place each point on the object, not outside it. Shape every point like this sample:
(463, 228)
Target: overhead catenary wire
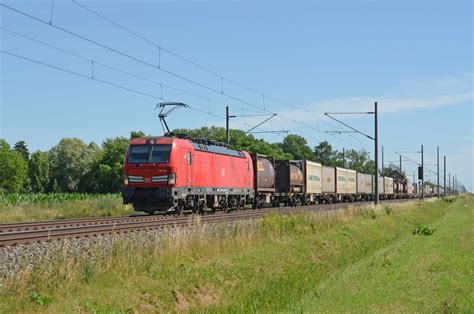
(123, 54)
(206, 69)
(151, 65)
(94, 62)
(425, 168)
(124, 72)
(106, 82)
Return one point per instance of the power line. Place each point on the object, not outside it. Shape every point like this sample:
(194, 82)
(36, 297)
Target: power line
(131, 57)
(106, 82)
(206, 69)
(94, 62)
(155, 67)
(79, 74)
(120, 71)
(222, 77)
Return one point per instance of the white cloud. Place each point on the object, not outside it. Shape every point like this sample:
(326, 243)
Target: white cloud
(414, 96)
(387, 104)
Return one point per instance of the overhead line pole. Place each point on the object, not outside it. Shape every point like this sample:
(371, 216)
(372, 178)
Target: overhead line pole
(227, 123)
(455, 184)
(376, 149)
(437, 164)
(444, 176)
(374, 138)
(422, 176)
(227, 130)
(343, 157)
(449, 183)
(383, 164)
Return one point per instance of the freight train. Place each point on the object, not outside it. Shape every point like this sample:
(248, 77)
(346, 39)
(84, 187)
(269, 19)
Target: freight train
(177, 174)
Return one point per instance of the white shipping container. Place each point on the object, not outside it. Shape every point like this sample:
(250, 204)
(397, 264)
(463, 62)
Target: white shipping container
(381, 186)
(328, 179)
(341, 181)
(388, 185)
(313, 175)
(351, 181)
(364, 183)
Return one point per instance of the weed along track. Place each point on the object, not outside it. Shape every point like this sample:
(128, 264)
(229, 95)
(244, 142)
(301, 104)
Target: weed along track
(288, 260)
(33, 232)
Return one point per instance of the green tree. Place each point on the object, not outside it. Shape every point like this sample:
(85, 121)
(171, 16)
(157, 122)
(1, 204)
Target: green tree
(297, 147)
(369, 167)
(326, 155)
(38, 171)
(4, 144)
(136, 134)
(356, 160)
(105, 175)
(13, 169)
(239, 140)
(22, 149)
(69, 161)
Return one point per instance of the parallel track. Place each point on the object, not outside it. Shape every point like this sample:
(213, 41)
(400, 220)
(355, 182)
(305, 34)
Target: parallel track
(32, 232)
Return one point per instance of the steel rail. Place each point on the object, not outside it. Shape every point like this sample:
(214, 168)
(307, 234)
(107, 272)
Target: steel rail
(62, 223)
(116, 225)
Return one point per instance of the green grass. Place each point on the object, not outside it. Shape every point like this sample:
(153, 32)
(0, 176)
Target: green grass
(354, 260)
(36, 207)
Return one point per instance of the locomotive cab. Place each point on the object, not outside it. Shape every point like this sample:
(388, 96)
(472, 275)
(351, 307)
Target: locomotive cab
(148, 173)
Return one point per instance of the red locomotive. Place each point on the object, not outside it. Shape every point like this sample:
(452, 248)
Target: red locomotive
(174, 173)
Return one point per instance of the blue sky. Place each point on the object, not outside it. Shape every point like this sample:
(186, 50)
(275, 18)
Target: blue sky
(413, 57)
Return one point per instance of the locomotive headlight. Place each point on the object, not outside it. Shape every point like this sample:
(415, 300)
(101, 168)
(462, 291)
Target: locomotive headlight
(172, 178)
(125, 179)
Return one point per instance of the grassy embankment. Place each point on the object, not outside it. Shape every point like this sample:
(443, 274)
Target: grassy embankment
(36, 207)
(353, 260)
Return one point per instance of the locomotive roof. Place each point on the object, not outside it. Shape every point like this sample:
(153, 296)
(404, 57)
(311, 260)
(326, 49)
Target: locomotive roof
(198, 144)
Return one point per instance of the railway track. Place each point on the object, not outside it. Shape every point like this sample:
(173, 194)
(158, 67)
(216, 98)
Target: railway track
(32, 232)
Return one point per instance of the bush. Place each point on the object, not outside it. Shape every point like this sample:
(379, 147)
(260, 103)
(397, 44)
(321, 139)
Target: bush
(423, 230)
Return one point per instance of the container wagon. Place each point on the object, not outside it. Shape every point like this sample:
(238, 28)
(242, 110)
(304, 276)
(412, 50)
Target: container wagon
(289, 182)
(312, 188)
(328, 184)
(388, 187)
(381, 188)
(364, 186)
(264, 177)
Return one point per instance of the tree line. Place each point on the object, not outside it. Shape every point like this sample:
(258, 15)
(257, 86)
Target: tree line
(75, 166)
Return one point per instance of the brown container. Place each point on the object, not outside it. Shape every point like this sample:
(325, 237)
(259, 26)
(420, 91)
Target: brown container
(296, 174)
(288, 176)
(265, 173)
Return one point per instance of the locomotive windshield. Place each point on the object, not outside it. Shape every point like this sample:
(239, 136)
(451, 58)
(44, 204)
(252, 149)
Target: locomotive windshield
(160, 153)
(140, 154)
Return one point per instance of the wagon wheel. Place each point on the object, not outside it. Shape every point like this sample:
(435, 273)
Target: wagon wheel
(275, 203)
(195, 208)
(232, 204)
(242, 204)
(180, 207)
(202, 206)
